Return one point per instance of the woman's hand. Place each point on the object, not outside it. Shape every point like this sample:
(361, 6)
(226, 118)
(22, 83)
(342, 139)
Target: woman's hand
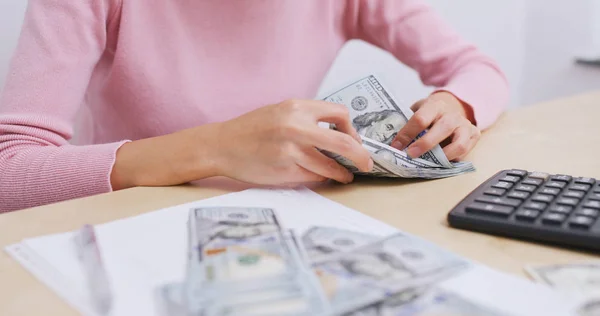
(277, 144)
(273, 145)
(447, 118)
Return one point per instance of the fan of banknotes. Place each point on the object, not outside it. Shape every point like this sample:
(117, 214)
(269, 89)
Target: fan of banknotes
(377, 117)
(241, 261)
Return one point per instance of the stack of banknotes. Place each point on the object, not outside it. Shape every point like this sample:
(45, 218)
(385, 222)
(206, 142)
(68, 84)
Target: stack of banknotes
(378, 117)
(241, 261)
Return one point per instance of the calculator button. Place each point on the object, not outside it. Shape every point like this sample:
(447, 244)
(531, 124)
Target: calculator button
(592, 204)
(517, 172)
(512, 179)
(502, 185)
(597, 188)
(580, 187)
(574, 194)
(498, 200)
(539, 175)
(542, 198)
(561, 209)
(490, 209)
(594, 196)
(518, 195)
(553, 218)
(532, 181)
(587, 212)
(556, 184)
(567, 201)
(550, 191)
(535, 206)
(581, 222)
(561, 178)
(525, 187)
(583, 180)
(527, 215)
(494, 191)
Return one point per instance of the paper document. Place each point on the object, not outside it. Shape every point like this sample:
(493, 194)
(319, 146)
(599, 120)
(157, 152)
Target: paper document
(144, 253)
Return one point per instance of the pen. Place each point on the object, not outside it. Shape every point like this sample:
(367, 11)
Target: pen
(95, 273)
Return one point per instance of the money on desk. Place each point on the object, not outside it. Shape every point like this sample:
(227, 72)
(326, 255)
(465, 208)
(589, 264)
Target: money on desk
(241, 261)
(580, 281)
(378, 117)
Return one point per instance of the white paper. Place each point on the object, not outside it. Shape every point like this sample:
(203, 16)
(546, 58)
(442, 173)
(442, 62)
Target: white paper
(146, 251)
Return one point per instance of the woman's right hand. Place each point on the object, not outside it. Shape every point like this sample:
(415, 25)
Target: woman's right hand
(273, 145)
(277, 144)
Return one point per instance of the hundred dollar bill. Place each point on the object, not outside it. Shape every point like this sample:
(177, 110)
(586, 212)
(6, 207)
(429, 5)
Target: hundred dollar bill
(425, 301)
(321, 242)
(579, 281)
(390, 162)
(368, 275)
(376, 115)
(261, 276)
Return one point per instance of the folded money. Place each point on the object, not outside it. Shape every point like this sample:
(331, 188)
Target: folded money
(369, 274)
(241, 261)
(378, 117)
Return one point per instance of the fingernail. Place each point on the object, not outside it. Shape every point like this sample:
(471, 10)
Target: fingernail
(414, 152)
(396, 144)
(370, 166)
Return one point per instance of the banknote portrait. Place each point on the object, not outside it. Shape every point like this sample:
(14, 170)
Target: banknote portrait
(380, 126)
(378, 265)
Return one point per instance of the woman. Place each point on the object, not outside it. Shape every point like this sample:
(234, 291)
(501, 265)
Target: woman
(167, 92)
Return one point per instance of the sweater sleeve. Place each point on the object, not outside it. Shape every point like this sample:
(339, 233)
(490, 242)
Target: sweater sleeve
(60, 44)
(414, 33)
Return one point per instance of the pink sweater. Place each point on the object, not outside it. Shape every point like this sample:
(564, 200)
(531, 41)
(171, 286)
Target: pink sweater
(128, 70)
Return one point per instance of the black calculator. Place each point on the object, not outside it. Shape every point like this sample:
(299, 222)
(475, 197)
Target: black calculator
(555, 209)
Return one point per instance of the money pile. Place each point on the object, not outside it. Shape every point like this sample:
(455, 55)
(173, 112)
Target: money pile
(378, 117)
(579, 281)
(241, 261)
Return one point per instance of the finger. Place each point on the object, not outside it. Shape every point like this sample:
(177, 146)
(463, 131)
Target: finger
(443, 128)
(473, 137)
(337, 114)
(415, 107)
(420, 121)
(302, 175)
(319, 164)
(340, 144)
(329, 112)
(459, 144)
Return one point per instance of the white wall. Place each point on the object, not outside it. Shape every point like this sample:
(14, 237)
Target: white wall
(534, 41)
(11, 17)
(494, 26)
(557, 31)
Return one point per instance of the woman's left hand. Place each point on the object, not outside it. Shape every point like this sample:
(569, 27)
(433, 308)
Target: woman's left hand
(447, 118)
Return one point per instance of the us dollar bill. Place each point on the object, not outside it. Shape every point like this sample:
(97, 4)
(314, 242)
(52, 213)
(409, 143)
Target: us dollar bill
(425, 301)
(321, 242)
(378, 117)
(579, 281)
(391, 162)
(367, 275)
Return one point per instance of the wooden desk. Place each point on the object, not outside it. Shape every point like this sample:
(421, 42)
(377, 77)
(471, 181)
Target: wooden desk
(562, 136)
